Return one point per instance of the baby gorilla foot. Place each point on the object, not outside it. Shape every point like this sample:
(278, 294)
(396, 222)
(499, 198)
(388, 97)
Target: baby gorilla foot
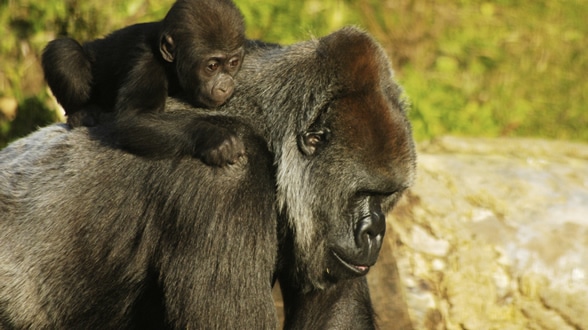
(87, 116)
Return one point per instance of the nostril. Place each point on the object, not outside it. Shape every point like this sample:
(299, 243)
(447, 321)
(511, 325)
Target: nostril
(367, 229)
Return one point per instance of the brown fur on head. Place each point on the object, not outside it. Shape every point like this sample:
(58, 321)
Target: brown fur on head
(204, 25)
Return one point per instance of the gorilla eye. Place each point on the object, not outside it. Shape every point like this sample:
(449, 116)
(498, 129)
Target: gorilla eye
(309, 142)
(212, 66)
(313, 139)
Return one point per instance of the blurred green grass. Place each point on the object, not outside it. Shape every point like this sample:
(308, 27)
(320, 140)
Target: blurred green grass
(500, 68)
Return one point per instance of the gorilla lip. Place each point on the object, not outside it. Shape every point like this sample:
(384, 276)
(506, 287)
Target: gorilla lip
(358, 269)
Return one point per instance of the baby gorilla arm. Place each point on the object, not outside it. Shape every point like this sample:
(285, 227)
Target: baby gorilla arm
(143, 128)
(160, 135)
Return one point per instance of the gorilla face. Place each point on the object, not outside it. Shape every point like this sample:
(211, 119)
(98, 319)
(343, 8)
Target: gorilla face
(347, 164)
(371, 163)
(357, 159)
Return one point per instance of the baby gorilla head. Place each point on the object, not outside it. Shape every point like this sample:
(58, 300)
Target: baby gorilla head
(205, 41)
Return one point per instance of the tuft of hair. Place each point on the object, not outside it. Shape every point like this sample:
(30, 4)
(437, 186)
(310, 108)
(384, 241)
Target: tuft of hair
(217, 23)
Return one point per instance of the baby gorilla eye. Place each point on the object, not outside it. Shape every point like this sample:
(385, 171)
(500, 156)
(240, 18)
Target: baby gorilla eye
(234, 62)
(213, 66)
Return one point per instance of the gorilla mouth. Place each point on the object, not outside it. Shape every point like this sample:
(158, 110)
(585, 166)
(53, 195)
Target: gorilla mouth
(209, 102)
(360, 270)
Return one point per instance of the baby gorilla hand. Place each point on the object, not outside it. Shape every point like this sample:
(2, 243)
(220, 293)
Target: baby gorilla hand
(217, 146)
(228, 151)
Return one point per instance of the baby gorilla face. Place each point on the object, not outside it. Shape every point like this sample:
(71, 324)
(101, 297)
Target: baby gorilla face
(215, 75)
(207, 77)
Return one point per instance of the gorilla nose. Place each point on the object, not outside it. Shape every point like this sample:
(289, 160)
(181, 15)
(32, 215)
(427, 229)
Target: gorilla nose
(370, 231)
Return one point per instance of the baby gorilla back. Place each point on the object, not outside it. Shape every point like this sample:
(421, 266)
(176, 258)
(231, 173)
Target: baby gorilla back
(96, 238)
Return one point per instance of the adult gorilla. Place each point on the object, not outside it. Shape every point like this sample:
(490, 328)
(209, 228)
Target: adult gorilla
(94, 237)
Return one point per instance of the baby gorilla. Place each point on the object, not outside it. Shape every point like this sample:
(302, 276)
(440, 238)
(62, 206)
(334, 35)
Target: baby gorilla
(193, 53)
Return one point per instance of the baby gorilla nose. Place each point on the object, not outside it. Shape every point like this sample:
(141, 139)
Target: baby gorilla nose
(223, 90)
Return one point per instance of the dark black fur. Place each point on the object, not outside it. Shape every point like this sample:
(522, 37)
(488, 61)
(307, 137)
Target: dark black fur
(194, 246)
(193, 53)
(342, 305)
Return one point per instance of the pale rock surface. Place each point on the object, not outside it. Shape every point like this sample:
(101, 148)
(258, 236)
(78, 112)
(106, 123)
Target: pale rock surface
(494, 235)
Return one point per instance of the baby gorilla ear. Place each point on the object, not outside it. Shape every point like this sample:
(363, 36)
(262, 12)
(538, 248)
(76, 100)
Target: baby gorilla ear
(167, 47)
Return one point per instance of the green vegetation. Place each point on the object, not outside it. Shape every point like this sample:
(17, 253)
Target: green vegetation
(500, 68)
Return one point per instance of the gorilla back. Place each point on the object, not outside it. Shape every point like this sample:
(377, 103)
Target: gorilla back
(96, 238)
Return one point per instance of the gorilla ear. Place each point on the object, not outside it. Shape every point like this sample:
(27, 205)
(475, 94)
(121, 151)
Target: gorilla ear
(310, 141)
(167, 47)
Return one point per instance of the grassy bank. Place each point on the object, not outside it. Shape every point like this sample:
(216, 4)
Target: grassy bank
(501, 68)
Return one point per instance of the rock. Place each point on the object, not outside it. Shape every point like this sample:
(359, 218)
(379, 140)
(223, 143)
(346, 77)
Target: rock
(494, 235)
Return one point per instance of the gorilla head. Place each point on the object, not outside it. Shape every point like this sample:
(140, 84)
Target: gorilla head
(337, 124)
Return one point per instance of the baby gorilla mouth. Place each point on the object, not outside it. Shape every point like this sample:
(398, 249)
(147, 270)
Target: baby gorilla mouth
(359, 270)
